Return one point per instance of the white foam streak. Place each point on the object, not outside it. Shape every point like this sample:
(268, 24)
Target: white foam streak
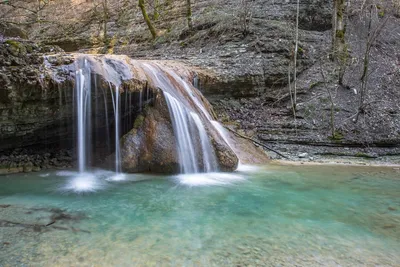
(209, 179)
(84, 182)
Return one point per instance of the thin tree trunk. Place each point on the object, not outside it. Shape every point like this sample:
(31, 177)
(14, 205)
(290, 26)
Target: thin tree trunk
(371, 37)
(333, 128)
(156, 14)
(295, 55)
(364, 76)
(105, 21)
(147, 19)
(339, 47)
(189, 14)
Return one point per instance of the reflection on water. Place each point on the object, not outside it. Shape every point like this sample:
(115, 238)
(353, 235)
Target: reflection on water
(276, 216)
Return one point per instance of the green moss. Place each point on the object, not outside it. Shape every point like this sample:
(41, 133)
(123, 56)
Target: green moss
(138, 122)
(16, 48)
(381, 14)
(361, 155)
(300, 51)
(315, 84)
(340, 34)
(13, 43)
(337, 136)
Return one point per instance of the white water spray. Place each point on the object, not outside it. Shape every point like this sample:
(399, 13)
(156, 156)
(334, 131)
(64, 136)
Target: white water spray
(180, 121)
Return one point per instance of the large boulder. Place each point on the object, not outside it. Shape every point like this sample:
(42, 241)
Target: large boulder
(150, 146)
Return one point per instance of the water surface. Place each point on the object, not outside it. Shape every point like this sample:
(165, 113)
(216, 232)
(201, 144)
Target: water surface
(276, 216)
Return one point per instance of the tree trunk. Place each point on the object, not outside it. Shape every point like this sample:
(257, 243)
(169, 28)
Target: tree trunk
(147, 19)
(105, 21)
(296, 48)
(189, 14)
(156, 13)
(339, 47)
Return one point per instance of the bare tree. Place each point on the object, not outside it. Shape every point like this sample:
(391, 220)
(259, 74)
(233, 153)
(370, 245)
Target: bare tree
(156, 13)
(245, 15)
(31, 11)
(105, 19)
(189, 14)
(296, 48)
(293, 63)
(147, 19)
(339, 47)
(334, 135)
(372, 35)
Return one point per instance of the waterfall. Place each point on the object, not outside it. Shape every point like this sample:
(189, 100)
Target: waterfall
(180, 122)
(83, 93)
(84, 115)
(209, 159)
(117, 129)
(185, 109)
(191, 121)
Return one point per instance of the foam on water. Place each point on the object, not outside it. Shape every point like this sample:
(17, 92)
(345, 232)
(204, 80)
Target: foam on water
(117, 177)
(84, 182)
(247, 168)
(208, 179)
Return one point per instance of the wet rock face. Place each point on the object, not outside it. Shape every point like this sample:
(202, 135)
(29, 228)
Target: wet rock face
(150, 146)
(25, 160)
(228, 160)
(30, 108)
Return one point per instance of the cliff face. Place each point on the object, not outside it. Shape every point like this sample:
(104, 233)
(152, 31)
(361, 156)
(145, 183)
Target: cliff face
(32, 105)
(39, 111)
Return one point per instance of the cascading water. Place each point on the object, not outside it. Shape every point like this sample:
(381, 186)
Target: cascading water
(182, 116)
(83, 94)
(180, 121)
(191, 122)
(209, 159)
(86, 181)
(117, 112)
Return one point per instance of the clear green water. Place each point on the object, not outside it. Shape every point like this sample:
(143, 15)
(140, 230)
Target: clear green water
(278, 216)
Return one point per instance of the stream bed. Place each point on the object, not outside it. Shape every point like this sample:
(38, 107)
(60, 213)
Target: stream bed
(270, 216)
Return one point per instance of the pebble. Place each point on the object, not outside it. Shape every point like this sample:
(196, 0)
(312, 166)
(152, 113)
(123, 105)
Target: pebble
(303, 155)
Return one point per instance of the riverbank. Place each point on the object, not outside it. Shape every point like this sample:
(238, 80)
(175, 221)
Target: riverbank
(349, 156)
(348, 161)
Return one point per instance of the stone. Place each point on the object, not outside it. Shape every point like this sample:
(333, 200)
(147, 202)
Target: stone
(303, 155)
(11, 30)
(28, 167)
(150, 146)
